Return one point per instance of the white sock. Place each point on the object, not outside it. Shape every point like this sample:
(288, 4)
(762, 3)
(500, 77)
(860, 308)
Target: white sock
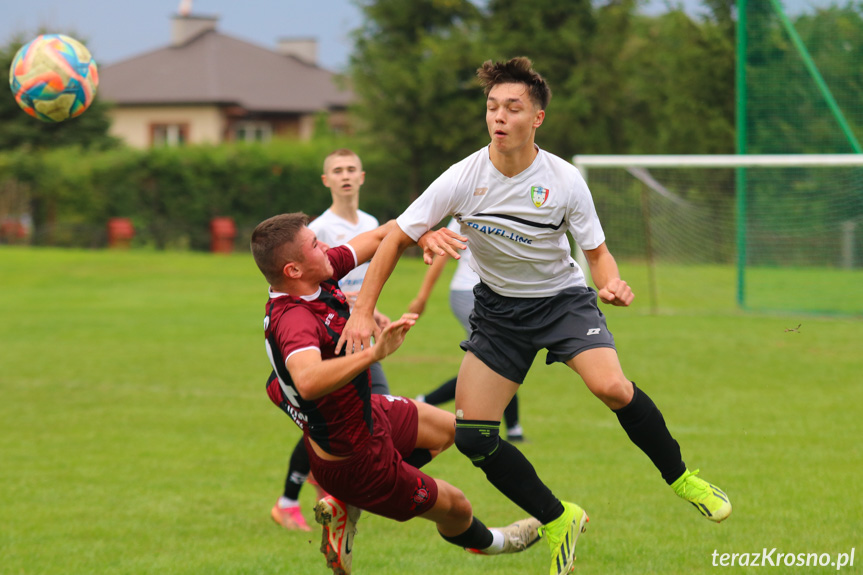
(496, 543)
(284, 502)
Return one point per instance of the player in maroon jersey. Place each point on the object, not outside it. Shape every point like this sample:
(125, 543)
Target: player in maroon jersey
(364, 449)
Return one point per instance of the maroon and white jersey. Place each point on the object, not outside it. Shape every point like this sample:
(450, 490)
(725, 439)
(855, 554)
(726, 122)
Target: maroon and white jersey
(341, 421)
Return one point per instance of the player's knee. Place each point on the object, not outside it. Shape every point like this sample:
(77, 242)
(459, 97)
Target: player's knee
(447, 435)
(478, 440)
(615, 392)
(453, 511)
(437, 428)
(460, 508)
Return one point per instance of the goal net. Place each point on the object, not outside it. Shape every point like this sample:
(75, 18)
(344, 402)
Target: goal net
(769, 232)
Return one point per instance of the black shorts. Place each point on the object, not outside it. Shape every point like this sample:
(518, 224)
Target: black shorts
(507, 332)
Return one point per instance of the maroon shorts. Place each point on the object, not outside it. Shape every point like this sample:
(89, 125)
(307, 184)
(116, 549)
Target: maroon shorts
(376, 478)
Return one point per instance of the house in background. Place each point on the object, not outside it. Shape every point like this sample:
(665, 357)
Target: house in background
(207, 87)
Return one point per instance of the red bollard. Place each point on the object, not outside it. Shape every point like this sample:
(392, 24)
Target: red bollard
(222, 234)
(120, 233)
(13, 231)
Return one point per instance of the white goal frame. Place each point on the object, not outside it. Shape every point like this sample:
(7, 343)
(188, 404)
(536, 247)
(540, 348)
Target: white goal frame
(584, 162)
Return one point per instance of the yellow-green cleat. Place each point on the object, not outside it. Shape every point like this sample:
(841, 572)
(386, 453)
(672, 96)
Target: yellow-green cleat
(562, 535)
(711, 501)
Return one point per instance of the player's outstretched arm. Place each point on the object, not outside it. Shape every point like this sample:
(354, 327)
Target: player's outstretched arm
(603, 268)
(366, 243)
(361, 326)
(315, 377)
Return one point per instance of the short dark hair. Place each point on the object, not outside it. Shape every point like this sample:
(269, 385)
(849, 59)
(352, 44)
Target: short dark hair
(516, 71)
(273, 243)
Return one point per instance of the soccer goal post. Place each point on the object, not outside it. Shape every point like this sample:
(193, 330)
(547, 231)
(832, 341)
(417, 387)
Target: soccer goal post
(787, 228)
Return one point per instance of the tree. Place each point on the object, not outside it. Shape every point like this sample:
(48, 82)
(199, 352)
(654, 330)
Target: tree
(623, 82)
(787, 112)
(17, 129)
(559, 37)
(679, 78)
(414, 72)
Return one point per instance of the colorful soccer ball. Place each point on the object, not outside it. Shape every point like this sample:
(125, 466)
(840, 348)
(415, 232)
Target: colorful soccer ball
(53, 78)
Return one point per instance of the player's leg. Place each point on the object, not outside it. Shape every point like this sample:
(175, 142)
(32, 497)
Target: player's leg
(435, 428)
(639, 417)
(450, 509)
(502, 347)
(600, 369)
(441, 394)
(481, 397)
(286, 512)
(338, 521)
(514, 432)
(477, 436)
(644, 424)
(457, 525)
(462, 303)
(435, 433)
(380, 385)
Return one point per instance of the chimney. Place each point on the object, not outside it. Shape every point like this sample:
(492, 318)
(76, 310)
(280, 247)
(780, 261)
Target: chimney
(187, 27)
(303, 49)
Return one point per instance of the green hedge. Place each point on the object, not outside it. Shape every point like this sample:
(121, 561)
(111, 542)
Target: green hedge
(170, 194)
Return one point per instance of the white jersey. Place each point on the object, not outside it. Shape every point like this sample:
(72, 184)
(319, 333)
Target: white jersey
(334, 231)
(464, 277)
(516, 227)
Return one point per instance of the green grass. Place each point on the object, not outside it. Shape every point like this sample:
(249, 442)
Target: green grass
(135, 435)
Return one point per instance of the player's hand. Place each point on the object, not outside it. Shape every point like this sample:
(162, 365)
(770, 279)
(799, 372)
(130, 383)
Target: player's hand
(394, 335)
(358, 333)
(441, 242)
(382, 320)
(616, 292)
(351, 296)
(417, 306)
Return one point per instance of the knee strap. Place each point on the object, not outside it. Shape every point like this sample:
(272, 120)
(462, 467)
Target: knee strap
(478, 440)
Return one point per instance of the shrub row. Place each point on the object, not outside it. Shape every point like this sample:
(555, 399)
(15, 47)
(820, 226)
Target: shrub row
(170, 194)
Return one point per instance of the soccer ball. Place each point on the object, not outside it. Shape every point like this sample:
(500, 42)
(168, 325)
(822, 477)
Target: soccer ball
(53, 78)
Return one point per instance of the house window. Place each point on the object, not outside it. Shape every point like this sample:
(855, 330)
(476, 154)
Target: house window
(169, 134)
(253, 131)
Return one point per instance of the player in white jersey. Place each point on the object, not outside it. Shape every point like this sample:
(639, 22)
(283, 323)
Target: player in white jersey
(335, 230)
(515, 204)
(461, 303)
(343, 175)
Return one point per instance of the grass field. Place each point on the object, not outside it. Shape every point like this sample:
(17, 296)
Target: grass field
(136, 437)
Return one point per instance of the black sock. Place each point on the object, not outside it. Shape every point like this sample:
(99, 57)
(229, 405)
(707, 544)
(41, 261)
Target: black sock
(418, 457)
(477, 536)
(645, 426)
(510, 413)
(514, 476)
(444, 393)
(298, 471)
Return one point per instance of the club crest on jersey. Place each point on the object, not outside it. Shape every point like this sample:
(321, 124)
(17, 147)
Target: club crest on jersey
(340, 296)
(539, 195)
